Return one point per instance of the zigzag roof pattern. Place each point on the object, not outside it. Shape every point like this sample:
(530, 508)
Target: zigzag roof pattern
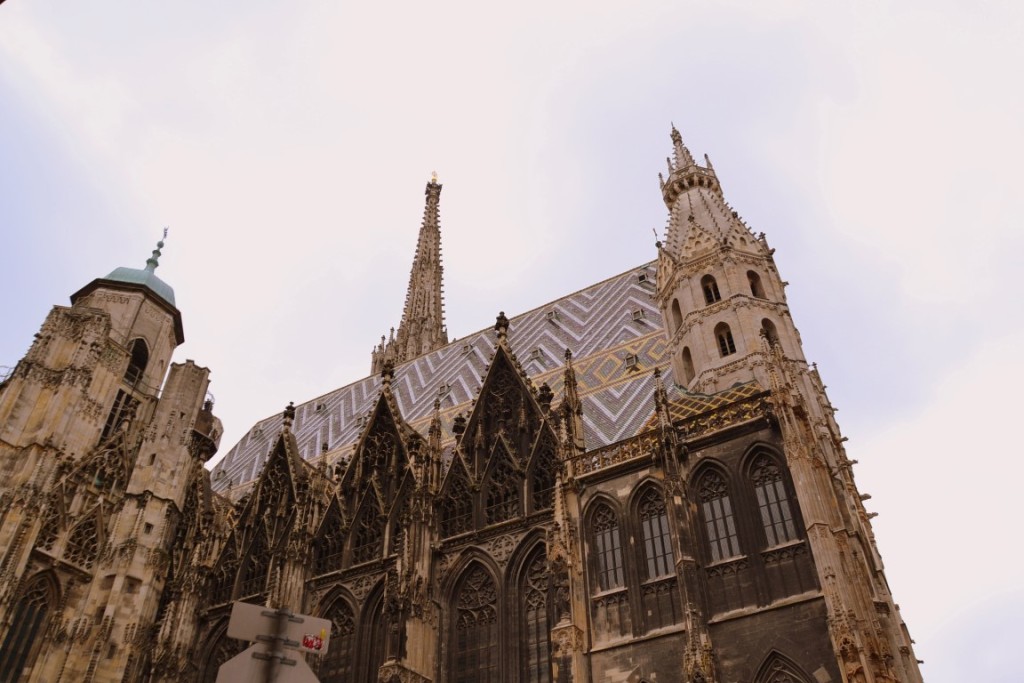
(613, 328)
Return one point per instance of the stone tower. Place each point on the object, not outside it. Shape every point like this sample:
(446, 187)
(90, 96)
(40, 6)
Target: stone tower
(728, 323)
(422, 328)
(102, 439)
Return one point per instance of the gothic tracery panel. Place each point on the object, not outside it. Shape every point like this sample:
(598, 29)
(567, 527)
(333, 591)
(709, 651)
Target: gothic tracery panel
(475, 648)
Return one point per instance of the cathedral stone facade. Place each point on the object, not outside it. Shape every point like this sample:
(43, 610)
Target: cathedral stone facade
(640, 481)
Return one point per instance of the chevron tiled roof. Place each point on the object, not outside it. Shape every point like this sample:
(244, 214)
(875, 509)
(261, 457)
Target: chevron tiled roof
(613, 328)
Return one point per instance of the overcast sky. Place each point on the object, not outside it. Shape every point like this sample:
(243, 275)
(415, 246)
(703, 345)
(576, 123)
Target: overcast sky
(286, 146)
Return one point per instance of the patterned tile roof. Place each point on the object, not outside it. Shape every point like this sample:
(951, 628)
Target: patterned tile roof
(613, 328)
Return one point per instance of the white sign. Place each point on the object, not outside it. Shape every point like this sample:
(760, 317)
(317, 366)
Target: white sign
(258, 623)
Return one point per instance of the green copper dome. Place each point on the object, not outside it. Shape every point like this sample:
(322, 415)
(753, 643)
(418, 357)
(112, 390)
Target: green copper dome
(146, 277)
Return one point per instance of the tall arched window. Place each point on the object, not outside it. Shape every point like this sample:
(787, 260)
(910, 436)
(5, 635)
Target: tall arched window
(773, 501)
(719, 523)
(257, 564)
(138, 361)
(659, 589)
(688, 370)
(475, 656)
(726, 346)
(535, 633)
(769, 331)
(502, 493)
(677, 316)
(756, 288)
(604, 526)
(542, 478)
(610, 604)
(368, 542)
(337, 665)
(456, 507)
(31, 615)
(709, 286)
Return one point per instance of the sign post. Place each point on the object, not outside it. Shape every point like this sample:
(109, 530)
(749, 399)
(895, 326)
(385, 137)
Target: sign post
(274, 632)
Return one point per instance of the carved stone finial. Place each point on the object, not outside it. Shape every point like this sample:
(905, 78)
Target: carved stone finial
(289, 416)
(568, 353)
(387, 373)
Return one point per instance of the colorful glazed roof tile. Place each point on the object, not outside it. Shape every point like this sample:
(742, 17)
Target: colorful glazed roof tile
(613, 328)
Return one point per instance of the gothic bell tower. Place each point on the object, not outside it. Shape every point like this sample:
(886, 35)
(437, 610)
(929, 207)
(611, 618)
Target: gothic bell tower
(720, 294)
(102, 445)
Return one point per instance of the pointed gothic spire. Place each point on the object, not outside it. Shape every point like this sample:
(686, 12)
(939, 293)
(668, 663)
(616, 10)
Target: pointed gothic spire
(422, 328)
(683, 158)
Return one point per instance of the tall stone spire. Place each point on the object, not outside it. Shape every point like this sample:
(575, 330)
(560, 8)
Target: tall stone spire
(422, 328)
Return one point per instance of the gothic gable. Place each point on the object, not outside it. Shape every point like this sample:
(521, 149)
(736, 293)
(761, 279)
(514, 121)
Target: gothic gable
(506, 411)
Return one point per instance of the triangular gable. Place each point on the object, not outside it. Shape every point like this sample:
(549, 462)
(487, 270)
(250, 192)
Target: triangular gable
(506, 410)
(381, 456)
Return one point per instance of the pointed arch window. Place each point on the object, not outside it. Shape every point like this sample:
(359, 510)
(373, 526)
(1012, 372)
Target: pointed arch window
(256, 568)
(726, 345)
(756, 288)
(139, 359)
(610, 604)
(677, 316)
(769, 332)
(535, 632)
(337, 665)
(502, 493)
(329, 547)
(456, 508)
(368, 542)
(658, 555)
(659, 591)
(689, 372)
(709, 286)
(780, 669)
(223, 587)
(31, 616)
(475, 642)
(773, 501)
(608, 546)
(542, 478)
(719, 523)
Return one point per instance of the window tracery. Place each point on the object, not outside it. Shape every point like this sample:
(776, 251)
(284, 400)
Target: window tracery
(257, 565)
(456, 507)
(535, 654)
(659, 592)
(83, 544)
(773, 501)
(476, 629)
(542, 477)
(502, 492)
(720, 525)
(368, 542)
(337, 665)
(31, 616)
(604, 525)
(330, 546)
